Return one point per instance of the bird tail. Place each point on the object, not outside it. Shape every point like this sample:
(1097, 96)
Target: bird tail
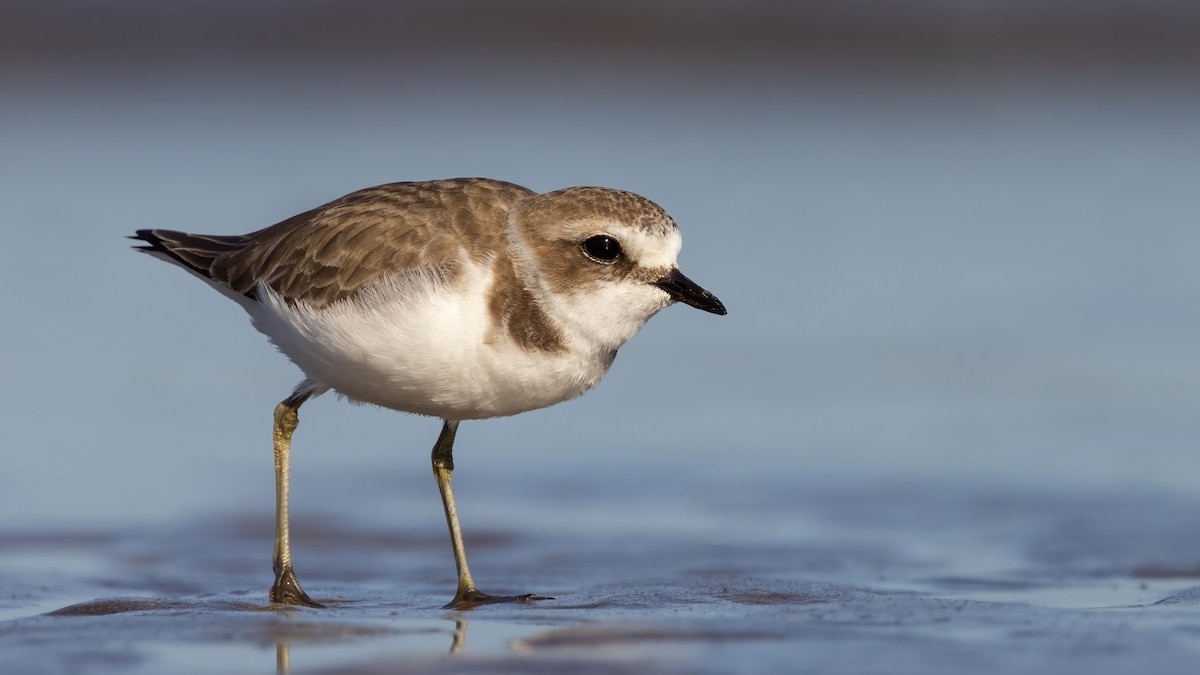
(193, 252)
(198, 254)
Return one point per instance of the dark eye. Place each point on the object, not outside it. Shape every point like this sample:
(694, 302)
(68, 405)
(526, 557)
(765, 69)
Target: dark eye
(602, 248)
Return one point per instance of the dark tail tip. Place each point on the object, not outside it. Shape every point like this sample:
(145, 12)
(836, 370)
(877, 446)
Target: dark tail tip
(148, 237)
(172, 245)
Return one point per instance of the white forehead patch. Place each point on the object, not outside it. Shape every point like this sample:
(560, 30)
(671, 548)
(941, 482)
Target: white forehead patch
(651, 250)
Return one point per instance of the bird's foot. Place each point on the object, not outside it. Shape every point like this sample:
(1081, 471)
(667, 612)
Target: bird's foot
(471, 598)
(287, 591)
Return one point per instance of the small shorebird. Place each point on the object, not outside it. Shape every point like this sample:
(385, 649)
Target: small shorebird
(459, 299)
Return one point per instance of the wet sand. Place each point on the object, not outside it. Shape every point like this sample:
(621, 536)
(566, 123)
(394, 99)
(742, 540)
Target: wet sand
(929, 579)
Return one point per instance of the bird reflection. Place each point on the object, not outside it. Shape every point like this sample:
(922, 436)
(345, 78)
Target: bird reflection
(460, 636)
(283, 647)
(282, 657)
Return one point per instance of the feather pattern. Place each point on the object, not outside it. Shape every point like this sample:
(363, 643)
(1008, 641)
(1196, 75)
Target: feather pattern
(462, 298)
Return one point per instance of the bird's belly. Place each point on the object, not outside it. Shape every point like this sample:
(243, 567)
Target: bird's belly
(491, 384)
(437, 355)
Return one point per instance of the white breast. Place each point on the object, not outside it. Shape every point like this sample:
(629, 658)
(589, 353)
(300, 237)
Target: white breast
(416, 344)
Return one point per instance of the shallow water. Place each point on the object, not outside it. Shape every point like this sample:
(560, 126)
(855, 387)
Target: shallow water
(949, 424)
(931, 578)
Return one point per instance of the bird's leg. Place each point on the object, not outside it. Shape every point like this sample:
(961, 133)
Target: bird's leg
(467, 595)
(443, 468)
(286, 588)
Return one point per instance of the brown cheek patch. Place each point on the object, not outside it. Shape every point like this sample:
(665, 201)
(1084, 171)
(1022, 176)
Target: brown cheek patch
(564, 268)
(562, 263)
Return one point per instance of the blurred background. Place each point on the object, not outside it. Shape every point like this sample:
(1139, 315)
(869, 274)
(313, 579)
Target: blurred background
(957, 239)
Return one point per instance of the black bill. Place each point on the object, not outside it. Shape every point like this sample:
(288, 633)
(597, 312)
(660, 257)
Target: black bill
(685, 290)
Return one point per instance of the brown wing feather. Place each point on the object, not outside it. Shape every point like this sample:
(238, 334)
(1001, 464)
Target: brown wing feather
(331, 252)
